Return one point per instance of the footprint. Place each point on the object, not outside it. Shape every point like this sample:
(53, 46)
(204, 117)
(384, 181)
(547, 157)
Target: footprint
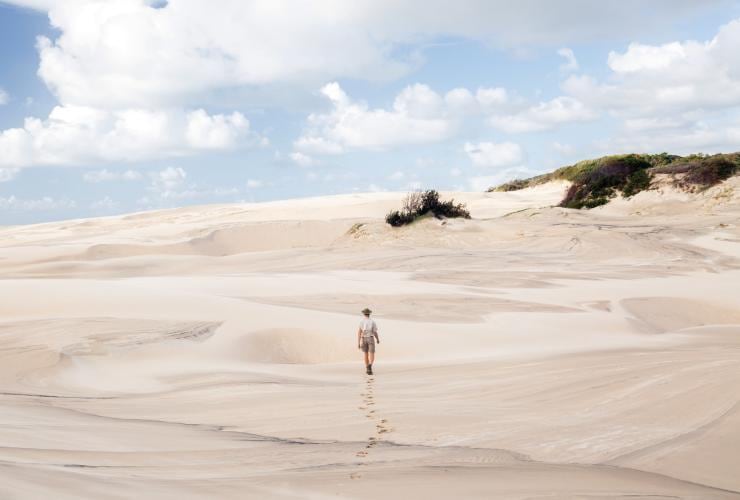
(355, 475)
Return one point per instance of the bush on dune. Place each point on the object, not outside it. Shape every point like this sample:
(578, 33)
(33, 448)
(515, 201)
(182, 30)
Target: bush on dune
(421, 203)
(712, 172)
(513, 185)
(595, 182)
(602, 180)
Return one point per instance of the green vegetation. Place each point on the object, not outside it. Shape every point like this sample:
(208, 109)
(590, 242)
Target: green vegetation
(638, 181)
(703, 171)
(595, 182)
(421, 203)
(514, 185)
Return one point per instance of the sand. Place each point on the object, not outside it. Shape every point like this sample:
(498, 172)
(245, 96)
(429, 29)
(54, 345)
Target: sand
(531, 352)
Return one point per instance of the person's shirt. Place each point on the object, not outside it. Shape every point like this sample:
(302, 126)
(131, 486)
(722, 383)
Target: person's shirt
(368, 327)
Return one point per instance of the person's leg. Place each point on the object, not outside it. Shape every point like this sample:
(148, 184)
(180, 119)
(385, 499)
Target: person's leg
(371, 357)
(365, 349)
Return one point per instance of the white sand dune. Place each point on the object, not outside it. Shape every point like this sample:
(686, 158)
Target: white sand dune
(531, 352)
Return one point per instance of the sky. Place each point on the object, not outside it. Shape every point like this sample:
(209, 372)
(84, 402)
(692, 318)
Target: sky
(118, 106)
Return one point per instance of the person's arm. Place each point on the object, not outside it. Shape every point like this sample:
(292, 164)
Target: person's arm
(375, 332)
(359, 338)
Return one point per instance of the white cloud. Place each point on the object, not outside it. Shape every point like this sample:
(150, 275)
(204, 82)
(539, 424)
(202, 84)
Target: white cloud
(396, 176)
(571, 63)
(496, 155)
(81, 135)
(8, 174)
(169, 186)
(462, 104)
(419, 101)
(652, 124)
(127, 76)
(168, 179)
(697, 137)
(650, 81)
(544, 116)
(126, 53)
(646, 57)
(4, 97)
(678, 96)
(491, 97)
(417, 117)
(13, 203)
(301, 159)
(455, 172)
(215, 132)
(105, 175)
(460, 100)
(254, 183)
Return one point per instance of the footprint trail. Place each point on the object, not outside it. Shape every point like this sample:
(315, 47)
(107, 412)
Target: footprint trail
(381, 424)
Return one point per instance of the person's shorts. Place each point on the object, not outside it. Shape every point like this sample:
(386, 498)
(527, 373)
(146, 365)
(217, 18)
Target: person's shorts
(368, 345)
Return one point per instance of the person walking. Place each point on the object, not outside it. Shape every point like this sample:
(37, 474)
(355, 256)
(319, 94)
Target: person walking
(367, 335)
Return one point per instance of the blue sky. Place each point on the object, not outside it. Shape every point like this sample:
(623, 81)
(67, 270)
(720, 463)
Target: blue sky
(110, 107)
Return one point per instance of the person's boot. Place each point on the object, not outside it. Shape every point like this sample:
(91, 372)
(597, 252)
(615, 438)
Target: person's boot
(370, 369)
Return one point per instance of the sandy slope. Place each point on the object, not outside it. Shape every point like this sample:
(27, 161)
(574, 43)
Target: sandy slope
(532, 352)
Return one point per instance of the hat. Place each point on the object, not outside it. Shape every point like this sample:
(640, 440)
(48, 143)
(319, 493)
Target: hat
(366, 311)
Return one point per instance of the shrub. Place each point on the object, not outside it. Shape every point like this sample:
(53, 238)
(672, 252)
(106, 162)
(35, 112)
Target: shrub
(638, 181)
(600, 180)
(514, 185)
(673, 168)
(711, 171)
(412, 203)
(397, 218)
(419, 204)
